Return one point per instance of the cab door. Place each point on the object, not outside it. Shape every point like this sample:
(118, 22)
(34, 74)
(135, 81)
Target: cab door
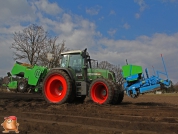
(76, 63)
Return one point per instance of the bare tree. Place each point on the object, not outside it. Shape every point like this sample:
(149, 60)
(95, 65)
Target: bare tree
(105, 65)
(118, 73)
(1, 80)
(29, 43)
(55, 49)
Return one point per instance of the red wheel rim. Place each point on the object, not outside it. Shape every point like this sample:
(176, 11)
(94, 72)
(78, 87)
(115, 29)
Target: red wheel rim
(99, 92)
(55, 88)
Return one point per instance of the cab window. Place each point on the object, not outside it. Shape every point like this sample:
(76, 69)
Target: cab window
(64, 61)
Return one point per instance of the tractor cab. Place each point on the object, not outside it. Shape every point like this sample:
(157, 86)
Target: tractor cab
(77, 62)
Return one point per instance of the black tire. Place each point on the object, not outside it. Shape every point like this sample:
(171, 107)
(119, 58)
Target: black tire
(57, 87)
(101, 91)
(121, 96)
(22, 85)
(73, 93)
(118, 94)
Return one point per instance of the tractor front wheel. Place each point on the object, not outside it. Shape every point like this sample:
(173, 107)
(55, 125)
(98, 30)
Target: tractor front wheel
(101, 91)
(57, 87)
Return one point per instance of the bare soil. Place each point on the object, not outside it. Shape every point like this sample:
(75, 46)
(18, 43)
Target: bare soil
(148, 114)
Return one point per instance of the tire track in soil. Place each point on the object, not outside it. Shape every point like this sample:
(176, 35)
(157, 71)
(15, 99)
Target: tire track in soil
(118, 125)
(44, 126)
(124, 123)
(36, 116)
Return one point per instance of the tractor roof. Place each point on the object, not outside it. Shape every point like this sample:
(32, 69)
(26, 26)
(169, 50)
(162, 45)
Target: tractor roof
(71, 52)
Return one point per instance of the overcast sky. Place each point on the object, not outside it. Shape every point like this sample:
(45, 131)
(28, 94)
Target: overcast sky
(112, 30)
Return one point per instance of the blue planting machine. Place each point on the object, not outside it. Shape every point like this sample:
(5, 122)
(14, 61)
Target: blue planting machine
(136, 83)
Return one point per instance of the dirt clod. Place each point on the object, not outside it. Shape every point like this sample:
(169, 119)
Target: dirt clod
(148, 114)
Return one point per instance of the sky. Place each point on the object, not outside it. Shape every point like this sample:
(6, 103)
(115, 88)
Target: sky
(111, 30)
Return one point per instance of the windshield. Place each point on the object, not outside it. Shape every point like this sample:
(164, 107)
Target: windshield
(75, 61)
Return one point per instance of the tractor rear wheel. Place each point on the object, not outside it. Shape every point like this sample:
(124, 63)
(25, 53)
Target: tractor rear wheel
(22, 85)
(101, 91)
(121, 97)
(116, 93)
(57, 87)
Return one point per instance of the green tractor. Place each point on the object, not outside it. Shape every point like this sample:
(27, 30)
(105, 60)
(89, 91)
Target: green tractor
(75, 79)
(27, 77)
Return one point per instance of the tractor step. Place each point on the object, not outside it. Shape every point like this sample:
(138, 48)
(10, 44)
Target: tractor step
(81, 88)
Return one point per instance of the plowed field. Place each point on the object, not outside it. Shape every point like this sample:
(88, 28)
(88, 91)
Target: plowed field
(148, 114)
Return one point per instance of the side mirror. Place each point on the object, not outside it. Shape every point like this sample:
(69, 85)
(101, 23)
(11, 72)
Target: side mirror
(9, 74)
(84, 53)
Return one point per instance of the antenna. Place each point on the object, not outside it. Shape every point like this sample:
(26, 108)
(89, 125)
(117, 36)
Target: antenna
(164, 66)
(126, 62)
